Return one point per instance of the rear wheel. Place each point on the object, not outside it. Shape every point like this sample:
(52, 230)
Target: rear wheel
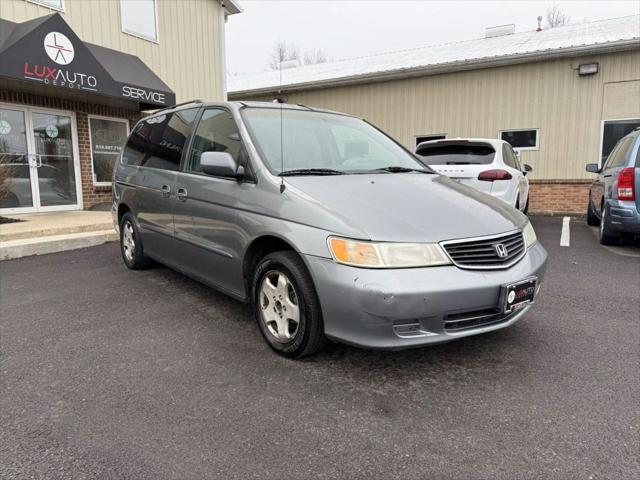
(607, 237)
(592, 218)
(286, 305)
(131, 244)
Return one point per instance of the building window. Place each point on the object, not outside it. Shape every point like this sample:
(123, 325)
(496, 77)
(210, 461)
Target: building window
(614, 130)
(428, 138)
(523, 139)
(140, 18)
(53, 4)
(107, 137)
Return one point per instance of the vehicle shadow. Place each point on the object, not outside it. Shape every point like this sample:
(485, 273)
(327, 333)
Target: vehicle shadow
(500, 352)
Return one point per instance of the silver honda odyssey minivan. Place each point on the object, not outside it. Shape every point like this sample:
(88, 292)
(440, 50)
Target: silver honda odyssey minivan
(327, 226)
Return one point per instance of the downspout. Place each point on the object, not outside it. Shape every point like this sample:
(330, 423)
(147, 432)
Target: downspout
(222, 20)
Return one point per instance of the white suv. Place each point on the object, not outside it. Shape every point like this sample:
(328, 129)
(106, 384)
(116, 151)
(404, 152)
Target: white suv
(488, 165)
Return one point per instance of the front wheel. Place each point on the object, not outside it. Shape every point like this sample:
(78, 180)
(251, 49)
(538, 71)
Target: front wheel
(286, 305)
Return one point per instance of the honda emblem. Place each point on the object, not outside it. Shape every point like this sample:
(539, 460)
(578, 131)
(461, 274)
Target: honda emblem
(501, 250)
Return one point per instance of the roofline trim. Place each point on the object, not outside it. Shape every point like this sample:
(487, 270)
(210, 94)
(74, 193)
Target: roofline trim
(402, 73)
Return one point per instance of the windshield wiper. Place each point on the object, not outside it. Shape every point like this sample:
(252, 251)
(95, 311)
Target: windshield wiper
(397, 169)
(310, 171)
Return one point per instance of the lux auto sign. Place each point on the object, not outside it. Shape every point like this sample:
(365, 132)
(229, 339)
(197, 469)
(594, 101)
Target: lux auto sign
(59, 48)
(63, 61)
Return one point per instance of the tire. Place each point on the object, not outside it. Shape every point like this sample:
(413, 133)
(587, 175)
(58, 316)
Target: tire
(526, 207)
(606, 236)
(592, 218)
(131, 244)
(281, 280)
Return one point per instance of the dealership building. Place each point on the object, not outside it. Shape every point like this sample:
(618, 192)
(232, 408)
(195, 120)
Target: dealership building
(562, 97)
(74, 77)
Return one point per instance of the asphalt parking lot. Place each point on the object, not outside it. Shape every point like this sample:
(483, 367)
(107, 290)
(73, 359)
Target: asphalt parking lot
(108, 373)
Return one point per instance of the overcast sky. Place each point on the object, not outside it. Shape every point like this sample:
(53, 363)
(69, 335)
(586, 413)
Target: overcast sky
(347, 29)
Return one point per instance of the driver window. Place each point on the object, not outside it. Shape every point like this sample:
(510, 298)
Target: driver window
(216, 132)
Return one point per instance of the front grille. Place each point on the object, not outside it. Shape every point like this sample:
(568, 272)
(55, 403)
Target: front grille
(482, 253)
(457, 322)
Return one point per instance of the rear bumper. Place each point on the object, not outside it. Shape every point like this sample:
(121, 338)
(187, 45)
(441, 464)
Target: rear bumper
(403, 308)
(624, 216)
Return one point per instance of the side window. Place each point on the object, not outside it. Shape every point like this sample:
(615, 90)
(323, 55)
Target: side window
(516, 158)
(158, 142)
(620, 155)
(216, 132)
(508, 156)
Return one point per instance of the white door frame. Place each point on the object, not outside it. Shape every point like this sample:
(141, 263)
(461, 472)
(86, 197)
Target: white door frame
(602, 122)
(28, 111)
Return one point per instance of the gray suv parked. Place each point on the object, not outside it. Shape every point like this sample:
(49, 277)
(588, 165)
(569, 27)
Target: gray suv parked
(327, 226)
(614, 199)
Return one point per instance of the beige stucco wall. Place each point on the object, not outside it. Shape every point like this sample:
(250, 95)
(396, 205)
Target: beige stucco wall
(188, 55)
(550, 95)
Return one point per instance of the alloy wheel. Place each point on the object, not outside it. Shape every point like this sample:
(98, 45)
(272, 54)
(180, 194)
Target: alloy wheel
(279, 306)
(128, 241)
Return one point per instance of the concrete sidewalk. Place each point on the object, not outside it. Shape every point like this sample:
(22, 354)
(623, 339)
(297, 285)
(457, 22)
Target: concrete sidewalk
(40, 233)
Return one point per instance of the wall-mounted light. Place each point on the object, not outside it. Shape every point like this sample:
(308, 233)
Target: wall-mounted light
(588, 69)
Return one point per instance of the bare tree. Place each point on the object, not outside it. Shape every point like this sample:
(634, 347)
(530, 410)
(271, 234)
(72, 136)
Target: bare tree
(314, 56)
(556, 17)
(282, 52)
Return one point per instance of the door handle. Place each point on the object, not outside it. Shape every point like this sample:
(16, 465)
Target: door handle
(166, 191)
(182, 194)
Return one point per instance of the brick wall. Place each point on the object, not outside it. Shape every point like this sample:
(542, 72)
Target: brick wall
(559, 196)
(91, 195)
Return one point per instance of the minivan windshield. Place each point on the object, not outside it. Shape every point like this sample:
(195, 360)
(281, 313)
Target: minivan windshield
(318, 143)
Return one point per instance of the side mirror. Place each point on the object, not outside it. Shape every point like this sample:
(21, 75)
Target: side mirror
(220, 164)
(593, 168)
(527, 168)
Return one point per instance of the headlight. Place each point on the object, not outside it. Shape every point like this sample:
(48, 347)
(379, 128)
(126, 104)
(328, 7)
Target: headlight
(386, 254)
(529, 235)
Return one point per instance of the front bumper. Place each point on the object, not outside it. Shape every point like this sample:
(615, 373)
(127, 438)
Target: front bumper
(403, 308)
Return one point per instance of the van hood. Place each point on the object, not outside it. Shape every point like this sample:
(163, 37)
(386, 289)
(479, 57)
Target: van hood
(404, 207)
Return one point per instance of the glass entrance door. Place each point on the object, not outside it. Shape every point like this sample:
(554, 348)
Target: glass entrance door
(53, 144)
(16, 186)
(37, 158)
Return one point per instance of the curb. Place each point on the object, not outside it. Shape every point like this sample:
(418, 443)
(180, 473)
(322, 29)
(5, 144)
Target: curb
(54, 243)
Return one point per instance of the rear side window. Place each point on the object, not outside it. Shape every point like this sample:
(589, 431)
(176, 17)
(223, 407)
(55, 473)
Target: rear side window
(460, 154)
(620, 155)
(216, 132)
(509, 158)
(158, 142)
